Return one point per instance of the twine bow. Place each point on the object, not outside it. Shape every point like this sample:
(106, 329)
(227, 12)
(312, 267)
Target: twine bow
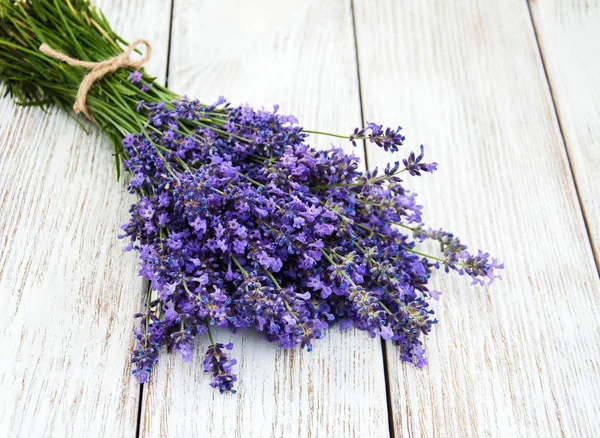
(98, 69)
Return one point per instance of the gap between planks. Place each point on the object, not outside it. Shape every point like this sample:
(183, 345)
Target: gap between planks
(563, 138)
(384, 355)
(147, 286)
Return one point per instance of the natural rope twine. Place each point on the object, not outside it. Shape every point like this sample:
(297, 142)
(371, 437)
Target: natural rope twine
(98, 69)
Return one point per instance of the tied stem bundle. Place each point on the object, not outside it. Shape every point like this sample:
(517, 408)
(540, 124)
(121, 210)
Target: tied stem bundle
(239, 223)
(98, 69)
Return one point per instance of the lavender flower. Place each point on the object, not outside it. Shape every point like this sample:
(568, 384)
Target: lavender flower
(415, 167)
(219, 365)
(240, 224)
(135, 77)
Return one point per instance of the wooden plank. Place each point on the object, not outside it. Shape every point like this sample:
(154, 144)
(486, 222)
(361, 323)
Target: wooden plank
(68, 289)
(569, 37)
(300, 55)
(521, 357)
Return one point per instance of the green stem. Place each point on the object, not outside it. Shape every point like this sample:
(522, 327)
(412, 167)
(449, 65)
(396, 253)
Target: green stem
(185, 286)
(277, 286)
(371, 181)
(240, 267)
(329, 134)
(413, 229)
(147, 318)
(285, 302)
(429, 256)
(212, 341)
(328, 257)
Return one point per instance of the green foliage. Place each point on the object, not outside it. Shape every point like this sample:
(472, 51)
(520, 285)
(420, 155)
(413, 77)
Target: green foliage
(78, 29)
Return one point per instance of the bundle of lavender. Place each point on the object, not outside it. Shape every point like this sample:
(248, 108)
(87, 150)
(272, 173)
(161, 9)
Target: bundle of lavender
(239, 222)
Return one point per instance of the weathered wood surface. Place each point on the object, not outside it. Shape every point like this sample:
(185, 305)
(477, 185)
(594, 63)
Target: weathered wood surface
(301, 56)
(569, 37)
(520, 358)
(68, 290)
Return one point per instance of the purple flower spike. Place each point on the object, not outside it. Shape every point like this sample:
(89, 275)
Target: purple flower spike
(415, 167)
(220, 366)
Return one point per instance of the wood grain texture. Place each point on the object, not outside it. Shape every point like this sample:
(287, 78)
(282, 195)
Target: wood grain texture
(522, 357)
(301, 56)
(68, 290)
(569, 37)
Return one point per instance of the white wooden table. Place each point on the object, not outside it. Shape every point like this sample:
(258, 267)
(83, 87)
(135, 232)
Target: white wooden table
(506, 97)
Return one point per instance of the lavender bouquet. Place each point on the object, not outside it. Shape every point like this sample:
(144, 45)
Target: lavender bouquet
(239, 222)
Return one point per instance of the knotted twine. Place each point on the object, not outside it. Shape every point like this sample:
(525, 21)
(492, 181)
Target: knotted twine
(98, 69)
